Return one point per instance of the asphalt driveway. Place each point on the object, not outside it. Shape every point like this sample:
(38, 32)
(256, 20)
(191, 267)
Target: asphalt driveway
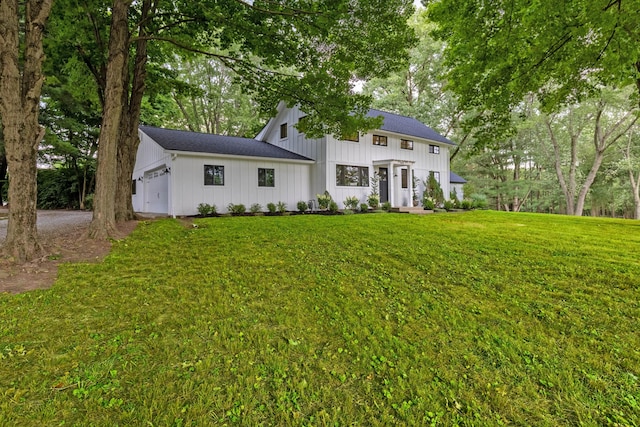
(54, 222)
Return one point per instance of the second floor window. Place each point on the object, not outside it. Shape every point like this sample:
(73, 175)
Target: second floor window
(380, 140)
(283, 130)
(406, 144)
(434, 149)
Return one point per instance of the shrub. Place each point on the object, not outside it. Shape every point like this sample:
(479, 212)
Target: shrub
(302, 206)
(238, 209)
(214, 210)
(324, 200)
(204, 209)
(386, 206)
(453, 195)
(347, 212)
(479, 201)
(333, 207)
(88, 202)
(428, 203)
(364, 207)
(255, 208)
(271, 207)
(466, 204)
(351, 202)
(448, 205)
(373, 200)
(282, 207)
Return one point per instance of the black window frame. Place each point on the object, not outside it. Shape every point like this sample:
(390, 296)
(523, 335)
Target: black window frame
(404, 178)
(215, 173)
(134, 187)
(406, 144)
(436, 175)
(283, 130)
(263, 178)
(360, 173)
(434, 149)
(377, 140)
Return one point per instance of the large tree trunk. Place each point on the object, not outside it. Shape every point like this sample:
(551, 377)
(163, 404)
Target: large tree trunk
(103, 224)
(129, 139)
(20, 88)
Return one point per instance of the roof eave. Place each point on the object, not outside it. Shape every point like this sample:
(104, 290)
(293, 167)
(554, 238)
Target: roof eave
(238, 156)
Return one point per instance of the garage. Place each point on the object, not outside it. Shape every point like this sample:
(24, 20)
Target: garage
(157, 190)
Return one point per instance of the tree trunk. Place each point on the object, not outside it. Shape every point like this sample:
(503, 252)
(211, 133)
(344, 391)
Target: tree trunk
(103, 224)
(20, 88)
(3, 174)
(129, 138)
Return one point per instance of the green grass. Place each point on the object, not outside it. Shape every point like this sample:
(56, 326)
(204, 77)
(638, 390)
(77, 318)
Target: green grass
(481, 318)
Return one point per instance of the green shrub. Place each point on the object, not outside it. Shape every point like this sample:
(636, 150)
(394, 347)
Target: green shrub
(238, 209)
(479, 201)
(347, 212)
(324, 200)
(466, 204)
(449, 205)
(282, 207)
(255, 208)
(364, 207)
(271, 207)
(351, 202)
(302, 206)
(204, 209)
(428, 203)
(386, 206)
(373, 200)
(333, 207)
(88, 202)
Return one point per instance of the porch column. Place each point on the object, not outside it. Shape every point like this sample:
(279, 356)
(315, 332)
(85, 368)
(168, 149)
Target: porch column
(392, 184)
(410, 184)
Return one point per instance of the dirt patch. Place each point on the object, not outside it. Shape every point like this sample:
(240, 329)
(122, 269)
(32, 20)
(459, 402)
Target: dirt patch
(66, 245)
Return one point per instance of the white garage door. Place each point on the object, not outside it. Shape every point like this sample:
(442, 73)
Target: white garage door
(157, 191)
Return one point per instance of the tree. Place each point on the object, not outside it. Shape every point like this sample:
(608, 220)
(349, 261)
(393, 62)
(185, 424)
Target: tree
(631, 154)
(21, 81)
(561, 51)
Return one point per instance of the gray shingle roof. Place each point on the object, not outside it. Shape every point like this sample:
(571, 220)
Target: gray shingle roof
(180, 140)
(456, 179)
(407, 126)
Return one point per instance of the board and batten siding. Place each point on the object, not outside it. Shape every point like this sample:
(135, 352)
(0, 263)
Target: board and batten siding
(150, 158)
(240, 183)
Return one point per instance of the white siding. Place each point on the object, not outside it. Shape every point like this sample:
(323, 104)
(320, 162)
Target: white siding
(150, 157)
(292, 183)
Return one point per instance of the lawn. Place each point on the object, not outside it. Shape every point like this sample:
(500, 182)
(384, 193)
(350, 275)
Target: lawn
(481, 318)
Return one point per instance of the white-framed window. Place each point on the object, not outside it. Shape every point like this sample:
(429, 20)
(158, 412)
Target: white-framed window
(213, 175)
(266, 177)
(352, 176)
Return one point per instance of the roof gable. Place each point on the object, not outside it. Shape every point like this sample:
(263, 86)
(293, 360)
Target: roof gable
(407, 126)
(456, 179)
(195, 142)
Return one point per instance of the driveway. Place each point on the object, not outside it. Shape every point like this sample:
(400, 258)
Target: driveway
(54, 222)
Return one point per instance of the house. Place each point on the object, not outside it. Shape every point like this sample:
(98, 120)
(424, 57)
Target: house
(457, 183)
(177, 170)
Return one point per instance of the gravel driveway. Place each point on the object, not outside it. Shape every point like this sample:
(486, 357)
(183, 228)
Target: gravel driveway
(54, 221)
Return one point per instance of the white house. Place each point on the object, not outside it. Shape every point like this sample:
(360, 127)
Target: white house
(177, 170)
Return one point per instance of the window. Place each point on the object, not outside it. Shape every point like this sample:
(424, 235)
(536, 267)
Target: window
(355, 137)
(283, 130)
(352, 176)
(405, 181)
(380, 140)
(266, 177)
(133, 187)
(406, 144)
(436, 175)
(434, 149)
(213, 175)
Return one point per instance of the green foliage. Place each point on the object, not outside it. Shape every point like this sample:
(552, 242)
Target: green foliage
(88, 202)
(386, 206)
(204, 209)
(60, 188)
(271, 207)
(324, 200)
(238, 209)
(449, 205)
(333, 207)
(364, 207)
(479, 201)
(282, 207)
(466, 204)
(255, 208)
(487, 319)
(351, 202)
(433, 194)
(373, 200)
(428, 203)
(302, 206)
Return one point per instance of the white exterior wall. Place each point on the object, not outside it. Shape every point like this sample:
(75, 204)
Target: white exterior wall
(150, 158)
(292, 183)
(458, 188)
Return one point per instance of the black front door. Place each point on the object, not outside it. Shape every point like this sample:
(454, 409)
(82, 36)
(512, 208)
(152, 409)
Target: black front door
(383, 173)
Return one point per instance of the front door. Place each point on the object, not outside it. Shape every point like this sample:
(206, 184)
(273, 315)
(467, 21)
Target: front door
(383, 173)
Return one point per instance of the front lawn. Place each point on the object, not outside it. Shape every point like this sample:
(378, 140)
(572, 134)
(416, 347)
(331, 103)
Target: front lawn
(481, 318)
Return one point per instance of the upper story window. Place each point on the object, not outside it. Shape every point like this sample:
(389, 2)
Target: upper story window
(434, 149)
(407, 144)
(380, 140)
(266, 177)
(283, 130)
(213, 175)
(354, 176)
(355, 137)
